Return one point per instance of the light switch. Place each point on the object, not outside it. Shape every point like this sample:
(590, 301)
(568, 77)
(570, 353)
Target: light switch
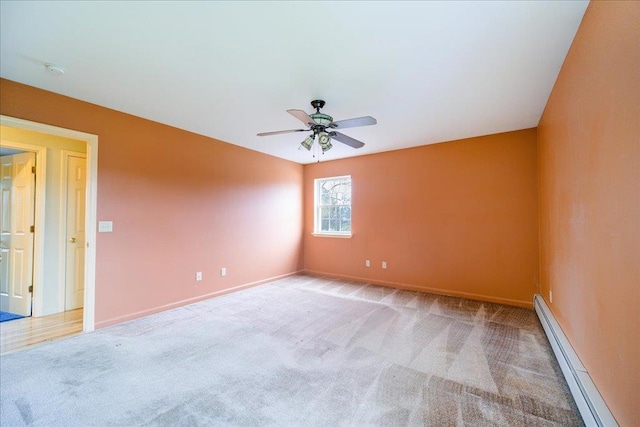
(105, 226)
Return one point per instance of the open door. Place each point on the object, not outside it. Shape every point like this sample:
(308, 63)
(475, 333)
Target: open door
(17, 173)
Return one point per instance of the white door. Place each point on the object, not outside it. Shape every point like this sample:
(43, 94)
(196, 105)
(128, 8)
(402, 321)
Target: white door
(18, 202)
(75, 235)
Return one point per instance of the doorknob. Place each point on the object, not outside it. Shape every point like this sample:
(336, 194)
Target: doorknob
(72, 240)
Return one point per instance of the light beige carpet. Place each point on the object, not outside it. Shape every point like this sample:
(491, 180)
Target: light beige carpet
(303, 351)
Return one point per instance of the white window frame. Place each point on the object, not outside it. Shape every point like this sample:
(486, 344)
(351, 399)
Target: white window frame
(317, 229)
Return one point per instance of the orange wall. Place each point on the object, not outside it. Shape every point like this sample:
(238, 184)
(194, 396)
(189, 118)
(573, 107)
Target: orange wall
(179, 203)
(589, 172)
(458, 218)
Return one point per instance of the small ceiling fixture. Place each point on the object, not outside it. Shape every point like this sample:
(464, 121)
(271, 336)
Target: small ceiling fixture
(54, 69)
(322, 126)
(325, 141)
(308, 142)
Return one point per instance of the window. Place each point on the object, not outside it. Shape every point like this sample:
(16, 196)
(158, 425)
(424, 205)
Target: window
(332, 215)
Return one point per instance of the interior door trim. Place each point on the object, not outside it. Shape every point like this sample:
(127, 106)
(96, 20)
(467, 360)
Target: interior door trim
(91, 197)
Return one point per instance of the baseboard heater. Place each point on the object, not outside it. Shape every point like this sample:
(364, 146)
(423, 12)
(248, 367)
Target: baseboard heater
(590, 404)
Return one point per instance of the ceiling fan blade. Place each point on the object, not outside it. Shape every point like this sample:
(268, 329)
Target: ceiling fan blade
(302, 116)
(346, 139)
(278, 132)
(350, 123)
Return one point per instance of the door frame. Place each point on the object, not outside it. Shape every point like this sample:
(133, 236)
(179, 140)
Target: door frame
(62, 260)
(91, 198)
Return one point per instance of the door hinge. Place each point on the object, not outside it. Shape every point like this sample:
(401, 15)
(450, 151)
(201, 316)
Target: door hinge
(33, 229)
(31, 288)
(33, 169)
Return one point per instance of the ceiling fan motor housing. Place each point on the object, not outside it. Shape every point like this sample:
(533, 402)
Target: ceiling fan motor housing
(318, 117)
(321, 119)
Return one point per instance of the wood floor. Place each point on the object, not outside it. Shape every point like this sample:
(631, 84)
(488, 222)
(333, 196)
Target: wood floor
(30, 331)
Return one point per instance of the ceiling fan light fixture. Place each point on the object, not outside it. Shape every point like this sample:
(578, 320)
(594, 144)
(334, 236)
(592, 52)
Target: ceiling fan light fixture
(307, 143)
(325, 141)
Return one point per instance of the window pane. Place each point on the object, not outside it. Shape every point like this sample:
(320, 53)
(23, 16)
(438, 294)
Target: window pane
(326, 198)
(324, 212)
(333, 208)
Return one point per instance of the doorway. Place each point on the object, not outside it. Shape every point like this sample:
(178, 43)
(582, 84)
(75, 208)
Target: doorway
(17, 212)
(77, 235)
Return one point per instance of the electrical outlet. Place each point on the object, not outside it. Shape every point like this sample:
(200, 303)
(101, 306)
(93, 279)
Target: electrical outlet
(367, 263)
(384, 264)
(223, 271)
(198, 276)
(551, 297)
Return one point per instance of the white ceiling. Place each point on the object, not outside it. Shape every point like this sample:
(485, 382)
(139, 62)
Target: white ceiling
(427, 71)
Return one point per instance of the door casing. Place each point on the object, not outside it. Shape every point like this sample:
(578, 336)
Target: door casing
(90, 213)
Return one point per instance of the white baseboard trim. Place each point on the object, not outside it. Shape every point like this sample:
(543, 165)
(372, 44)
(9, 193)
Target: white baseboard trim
(592, 407)
(425, 289)
(176, 304)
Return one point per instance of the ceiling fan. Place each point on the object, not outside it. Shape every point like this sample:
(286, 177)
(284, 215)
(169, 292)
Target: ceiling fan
(322, 126)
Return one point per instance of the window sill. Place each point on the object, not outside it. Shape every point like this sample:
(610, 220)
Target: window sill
(339, 236)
